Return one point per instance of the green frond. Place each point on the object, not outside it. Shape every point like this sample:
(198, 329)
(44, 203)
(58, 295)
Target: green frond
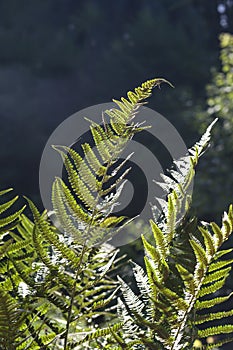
(208, 241)
(7, 205)
(2, 192)
(207, 304)
(218, 344)
(77, 182)
(120, 179)
(202, 319)
(199, 252)
(104, 302)
(173, 298)
(66, 208)
(58, 286)
(150, 250)
(84, 170)
(76, 210)
(93, 161)
(222, 252)
(88, 176)
(218, 234)
(25, 227)
(4, 247)
(10, 321)
(171, 214)
(187, 278)
(120, 341)
(160, 239)
(154, 276)
(99, 333)
(10, 219)
(222, 329)
(104, 145)
(227, 225)
(40, 246)
(219, 265)
(212, 288)
(216, 275)
(23, 271)
(35, 334)
(111, 221)
(47, 232)
(160, 330)
(128, 108)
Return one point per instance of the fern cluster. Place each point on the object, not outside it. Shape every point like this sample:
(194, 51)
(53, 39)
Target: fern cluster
(58, 285)
(51, 288)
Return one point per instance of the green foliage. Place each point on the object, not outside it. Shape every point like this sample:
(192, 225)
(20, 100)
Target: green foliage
(9, 220)
(98, 202)
(220, 92)
(58, 288)
(218, 165)
(172, 293)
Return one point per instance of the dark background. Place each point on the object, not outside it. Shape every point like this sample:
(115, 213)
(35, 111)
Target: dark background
(59, 56)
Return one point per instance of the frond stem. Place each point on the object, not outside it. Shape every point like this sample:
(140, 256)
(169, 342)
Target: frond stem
(191, 303)
(73, 297)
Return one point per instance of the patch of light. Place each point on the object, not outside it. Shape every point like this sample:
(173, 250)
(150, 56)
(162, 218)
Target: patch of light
(221, 8)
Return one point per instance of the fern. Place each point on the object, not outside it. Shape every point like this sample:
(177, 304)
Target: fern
(10, 321)
(44, 290)
(57, 284)
(172, 294)
(40, 273)
(10, 220)
(91, 221)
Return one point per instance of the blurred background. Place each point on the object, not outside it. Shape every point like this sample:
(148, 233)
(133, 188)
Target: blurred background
(59, 56)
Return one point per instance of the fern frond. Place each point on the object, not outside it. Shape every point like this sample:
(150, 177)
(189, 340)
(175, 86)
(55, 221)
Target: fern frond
(202, 319)
(128, 108)
(133, 302)
(160, 239)
(89, 336)
(90, 177)
(215, 266)
(218, 344)
(199, 252)
(177, 186)
(11, 220)
(222, 329)
(216, 274)
(175, 291)
(208, 241)
(187, 278)
(150, 250)
(46, 230)
(222, 252)
(7, 205)
(142, 281)
(207, 304)
(10, 321)
(213, 287)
